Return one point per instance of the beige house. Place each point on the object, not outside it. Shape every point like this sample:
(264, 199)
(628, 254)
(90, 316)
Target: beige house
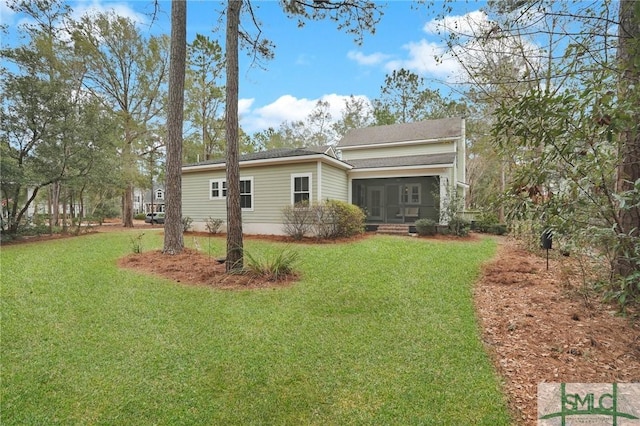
(397, 174)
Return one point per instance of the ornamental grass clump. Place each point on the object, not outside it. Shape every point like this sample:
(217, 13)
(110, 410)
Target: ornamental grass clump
(275, 266)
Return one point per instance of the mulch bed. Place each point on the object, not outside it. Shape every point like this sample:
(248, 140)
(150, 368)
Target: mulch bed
(541, 326)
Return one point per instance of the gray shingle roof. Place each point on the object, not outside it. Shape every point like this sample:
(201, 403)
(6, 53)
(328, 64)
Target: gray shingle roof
(403, 132)
(270, 154)
(404, 161)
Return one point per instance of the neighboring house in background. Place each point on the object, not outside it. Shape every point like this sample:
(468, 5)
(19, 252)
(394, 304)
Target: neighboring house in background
(397, 174)
(143, 202)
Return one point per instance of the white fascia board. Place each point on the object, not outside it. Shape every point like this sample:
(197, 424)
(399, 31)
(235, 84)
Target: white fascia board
(400, 169)
(397, 172)
(271, 161)
(402, 143)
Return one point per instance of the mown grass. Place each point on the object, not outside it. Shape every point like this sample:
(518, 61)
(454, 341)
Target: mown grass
(381, 331)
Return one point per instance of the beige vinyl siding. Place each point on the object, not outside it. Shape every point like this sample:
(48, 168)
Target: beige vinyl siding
(271, 192)
(195, 197)
(334, 183)
(398, 151)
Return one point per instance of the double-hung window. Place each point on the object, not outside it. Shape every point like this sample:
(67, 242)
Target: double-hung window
(246, 194)
(218, 191)
(301, 188)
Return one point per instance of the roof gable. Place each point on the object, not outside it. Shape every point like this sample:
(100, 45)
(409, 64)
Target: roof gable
(443, 128)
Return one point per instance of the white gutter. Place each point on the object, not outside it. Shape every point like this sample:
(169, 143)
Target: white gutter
(394, 144)
(430, 166)
(269, 161)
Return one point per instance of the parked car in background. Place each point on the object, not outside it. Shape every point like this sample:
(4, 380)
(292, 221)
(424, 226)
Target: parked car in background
(154, 218)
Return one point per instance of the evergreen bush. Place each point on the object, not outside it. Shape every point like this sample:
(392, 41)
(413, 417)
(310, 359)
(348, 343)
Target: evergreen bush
(426, 227)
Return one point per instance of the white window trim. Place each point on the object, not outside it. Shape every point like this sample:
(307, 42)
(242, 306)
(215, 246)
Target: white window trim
(252, 194)
(222, 181)
(293, 185)
(159, 194)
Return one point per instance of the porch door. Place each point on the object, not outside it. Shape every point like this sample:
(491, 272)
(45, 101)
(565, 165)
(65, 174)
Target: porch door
(375, 198)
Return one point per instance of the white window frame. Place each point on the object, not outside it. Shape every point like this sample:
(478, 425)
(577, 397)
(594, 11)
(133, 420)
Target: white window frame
(250, 179)
(409, 187)
(159, 194)
(293, 185)
(222, 191)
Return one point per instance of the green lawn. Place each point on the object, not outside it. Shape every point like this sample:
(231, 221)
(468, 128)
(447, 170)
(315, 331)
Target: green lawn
(380, 331)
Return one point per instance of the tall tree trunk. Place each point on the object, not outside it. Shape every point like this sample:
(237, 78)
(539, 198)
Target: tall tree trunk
(127, 206)
(55, 203)
(173, 239)
(64, 211)
(128, 164)
(49, 208)
(629, 167)
(234, 212)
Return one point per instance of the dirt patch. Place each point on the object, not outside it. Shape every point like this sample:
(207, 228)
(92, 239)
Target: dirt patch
(539, 327)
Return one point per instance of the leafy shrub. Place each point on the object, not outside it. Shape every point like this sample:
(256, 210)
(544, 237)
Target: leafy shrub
(186, 223)
(349, 218)
(298, 220)
(497, 229)
(426, 227)
(5, 237)
(136, 243)
(325, 224)
(459, 227)
(140, 216)
(108, 209)
(94, 219)
(273, 267)
(328, 220)
(485, 222)
(213, 225)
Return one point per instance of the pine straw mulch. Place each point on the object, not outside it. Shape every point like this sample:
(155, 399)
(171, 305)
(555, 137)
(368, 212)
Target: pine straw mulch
(540, 325)
(195, 268)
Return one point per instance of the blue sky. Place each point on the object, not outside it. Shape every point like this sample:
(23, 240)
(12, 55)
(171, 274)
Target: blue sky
(311, 63)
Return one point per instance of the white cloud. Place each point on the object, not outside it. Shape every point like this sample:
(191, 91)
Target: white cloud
(429, 58)
(426, 57)
(372, 59)
(287, 108)
(475, 45)
(470, 24)
(244, 106)
(93, 7)
(78, 10)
